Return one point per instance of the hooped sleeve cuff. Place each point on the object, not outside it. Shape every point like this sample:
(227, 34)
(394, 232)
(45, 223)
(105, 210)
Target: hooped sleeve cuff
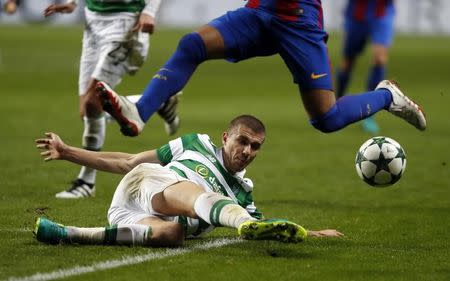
(152, 7)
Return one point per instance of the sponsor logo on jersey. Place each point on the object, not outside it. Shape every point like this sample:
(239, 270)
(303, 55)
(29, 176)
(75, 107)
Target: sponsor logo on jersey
(201, 170)
(214, 185)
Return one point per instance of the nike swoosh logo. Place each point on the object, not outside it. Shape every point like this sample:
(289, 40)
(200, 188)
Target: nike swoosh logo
(317, 76)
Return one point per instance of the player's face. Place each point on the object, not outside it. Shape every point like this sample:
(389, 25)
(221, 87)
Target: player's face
(240, 147)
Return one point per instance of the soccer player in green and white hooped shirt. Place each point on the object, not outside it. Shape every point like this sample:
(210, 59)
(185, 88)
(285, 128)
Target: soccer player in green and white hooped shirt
(115, 43)
(196, 158)
(184, 188)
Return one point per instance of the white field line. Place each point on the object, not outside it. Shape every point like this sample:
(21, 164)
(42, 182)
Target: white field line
(127, 260)
(16, 229)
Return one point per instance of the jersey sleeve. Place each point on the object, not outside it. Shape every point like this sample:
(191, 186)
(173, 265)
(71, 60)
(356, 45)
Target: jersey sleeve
(151, 8)
(164, 154)
(173, 150)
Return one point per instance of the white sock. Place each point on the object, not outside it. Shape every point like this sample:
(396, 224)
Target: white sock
(233, 215)
(86, 235)
(93, 139)
(219, 210)
(124, 234)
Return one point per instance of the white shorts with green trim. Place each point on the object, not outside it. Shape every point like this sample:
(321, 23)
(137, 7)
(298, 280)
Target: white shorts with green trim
(132, 199)
(110, 48)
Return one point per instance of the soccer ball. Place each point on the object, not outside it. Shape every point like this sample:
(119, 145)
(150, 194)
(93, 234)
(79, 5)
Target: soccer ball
(380, 161)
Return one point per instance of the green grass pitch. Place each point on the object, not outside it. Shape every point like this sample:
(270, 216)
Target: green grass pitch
(395, 233)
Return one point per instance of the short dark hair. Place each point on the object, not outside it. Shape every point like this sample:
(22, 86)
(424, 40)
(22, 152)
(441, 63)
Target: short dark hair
(248, 120)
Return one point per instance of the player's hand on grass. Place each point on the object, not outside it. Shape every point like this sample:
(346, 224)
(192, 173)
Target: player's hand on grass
(145, 23)
(52, 146)
(325, 233)
(66, 8)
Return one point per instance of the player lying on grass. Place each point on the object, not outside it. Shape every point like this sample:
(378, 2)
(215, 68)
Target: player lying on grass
(182, 189)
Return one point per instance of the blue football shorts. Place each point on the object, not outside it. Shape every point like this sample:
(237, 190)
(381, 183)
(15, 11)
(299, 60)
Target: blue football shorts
(250, 33)
(380, 31)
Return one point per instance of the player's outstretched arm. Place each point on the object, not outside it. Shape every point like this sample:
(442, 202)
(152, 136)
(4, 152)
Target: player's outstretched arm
(65, 8)
(114, 162)
(324, 233)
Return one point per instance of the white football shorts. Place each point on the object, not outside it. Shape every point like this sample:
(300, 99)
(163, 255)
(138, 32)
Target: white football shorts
(132, 199)
(110, 49)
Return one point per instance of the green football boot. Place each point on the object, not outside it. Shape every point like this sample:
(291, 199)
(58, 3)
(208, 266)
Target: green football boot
(50, 232)
(272, 229)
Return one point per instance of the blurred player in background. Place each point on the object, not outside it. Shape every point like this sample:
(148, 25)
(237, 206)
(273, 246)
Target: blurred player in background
(182, 189)
(10, 6)
(115, 43)
(366, 20)
(291, 28)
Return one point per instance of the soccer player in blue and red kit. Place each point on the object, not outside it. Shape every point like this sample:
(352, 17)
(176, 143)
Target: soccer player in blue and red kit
(364, 20)
(291, 28)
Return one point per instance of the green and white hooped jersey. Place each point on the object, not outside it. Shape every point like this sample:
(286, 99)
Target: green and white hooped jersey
(196, 158)
(115, 6)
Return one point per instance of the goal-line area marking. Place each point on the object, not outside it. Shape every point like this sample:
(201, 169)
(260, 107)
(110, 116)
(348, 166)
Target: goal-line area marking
(127, 260)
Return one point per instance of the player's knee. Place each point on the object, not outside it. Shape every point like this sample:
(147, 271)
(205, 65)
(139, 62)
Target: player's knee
(323, 127)
(380, 61)
(169, 235)
(380, 56)
(192, 45)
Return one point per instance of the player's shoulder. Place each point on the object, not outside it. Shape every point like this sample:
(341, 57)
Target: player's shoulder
(194, 139)
(191, 137)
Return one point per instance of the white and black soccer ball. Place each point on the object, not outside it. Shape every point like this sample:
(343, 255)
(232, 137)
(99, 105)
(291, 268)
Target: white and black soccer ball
(380, 161)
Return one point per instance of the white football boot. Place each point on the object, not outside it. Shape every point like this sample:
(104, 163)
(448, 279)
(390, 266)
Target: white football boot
(168, 112)
(79, 189)
(123, 110)
(402, 106)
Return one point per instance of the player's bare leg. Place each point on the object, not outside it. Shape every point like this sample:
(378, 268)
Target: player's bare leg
(318, 102)
(343, 75)
(191, 200)
(151, 231)
(214, 44)
(93, 139)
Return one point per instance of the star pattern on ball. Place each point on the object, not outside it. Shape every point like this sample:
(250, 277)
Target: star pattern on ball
(378, 141)
(382, 163)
